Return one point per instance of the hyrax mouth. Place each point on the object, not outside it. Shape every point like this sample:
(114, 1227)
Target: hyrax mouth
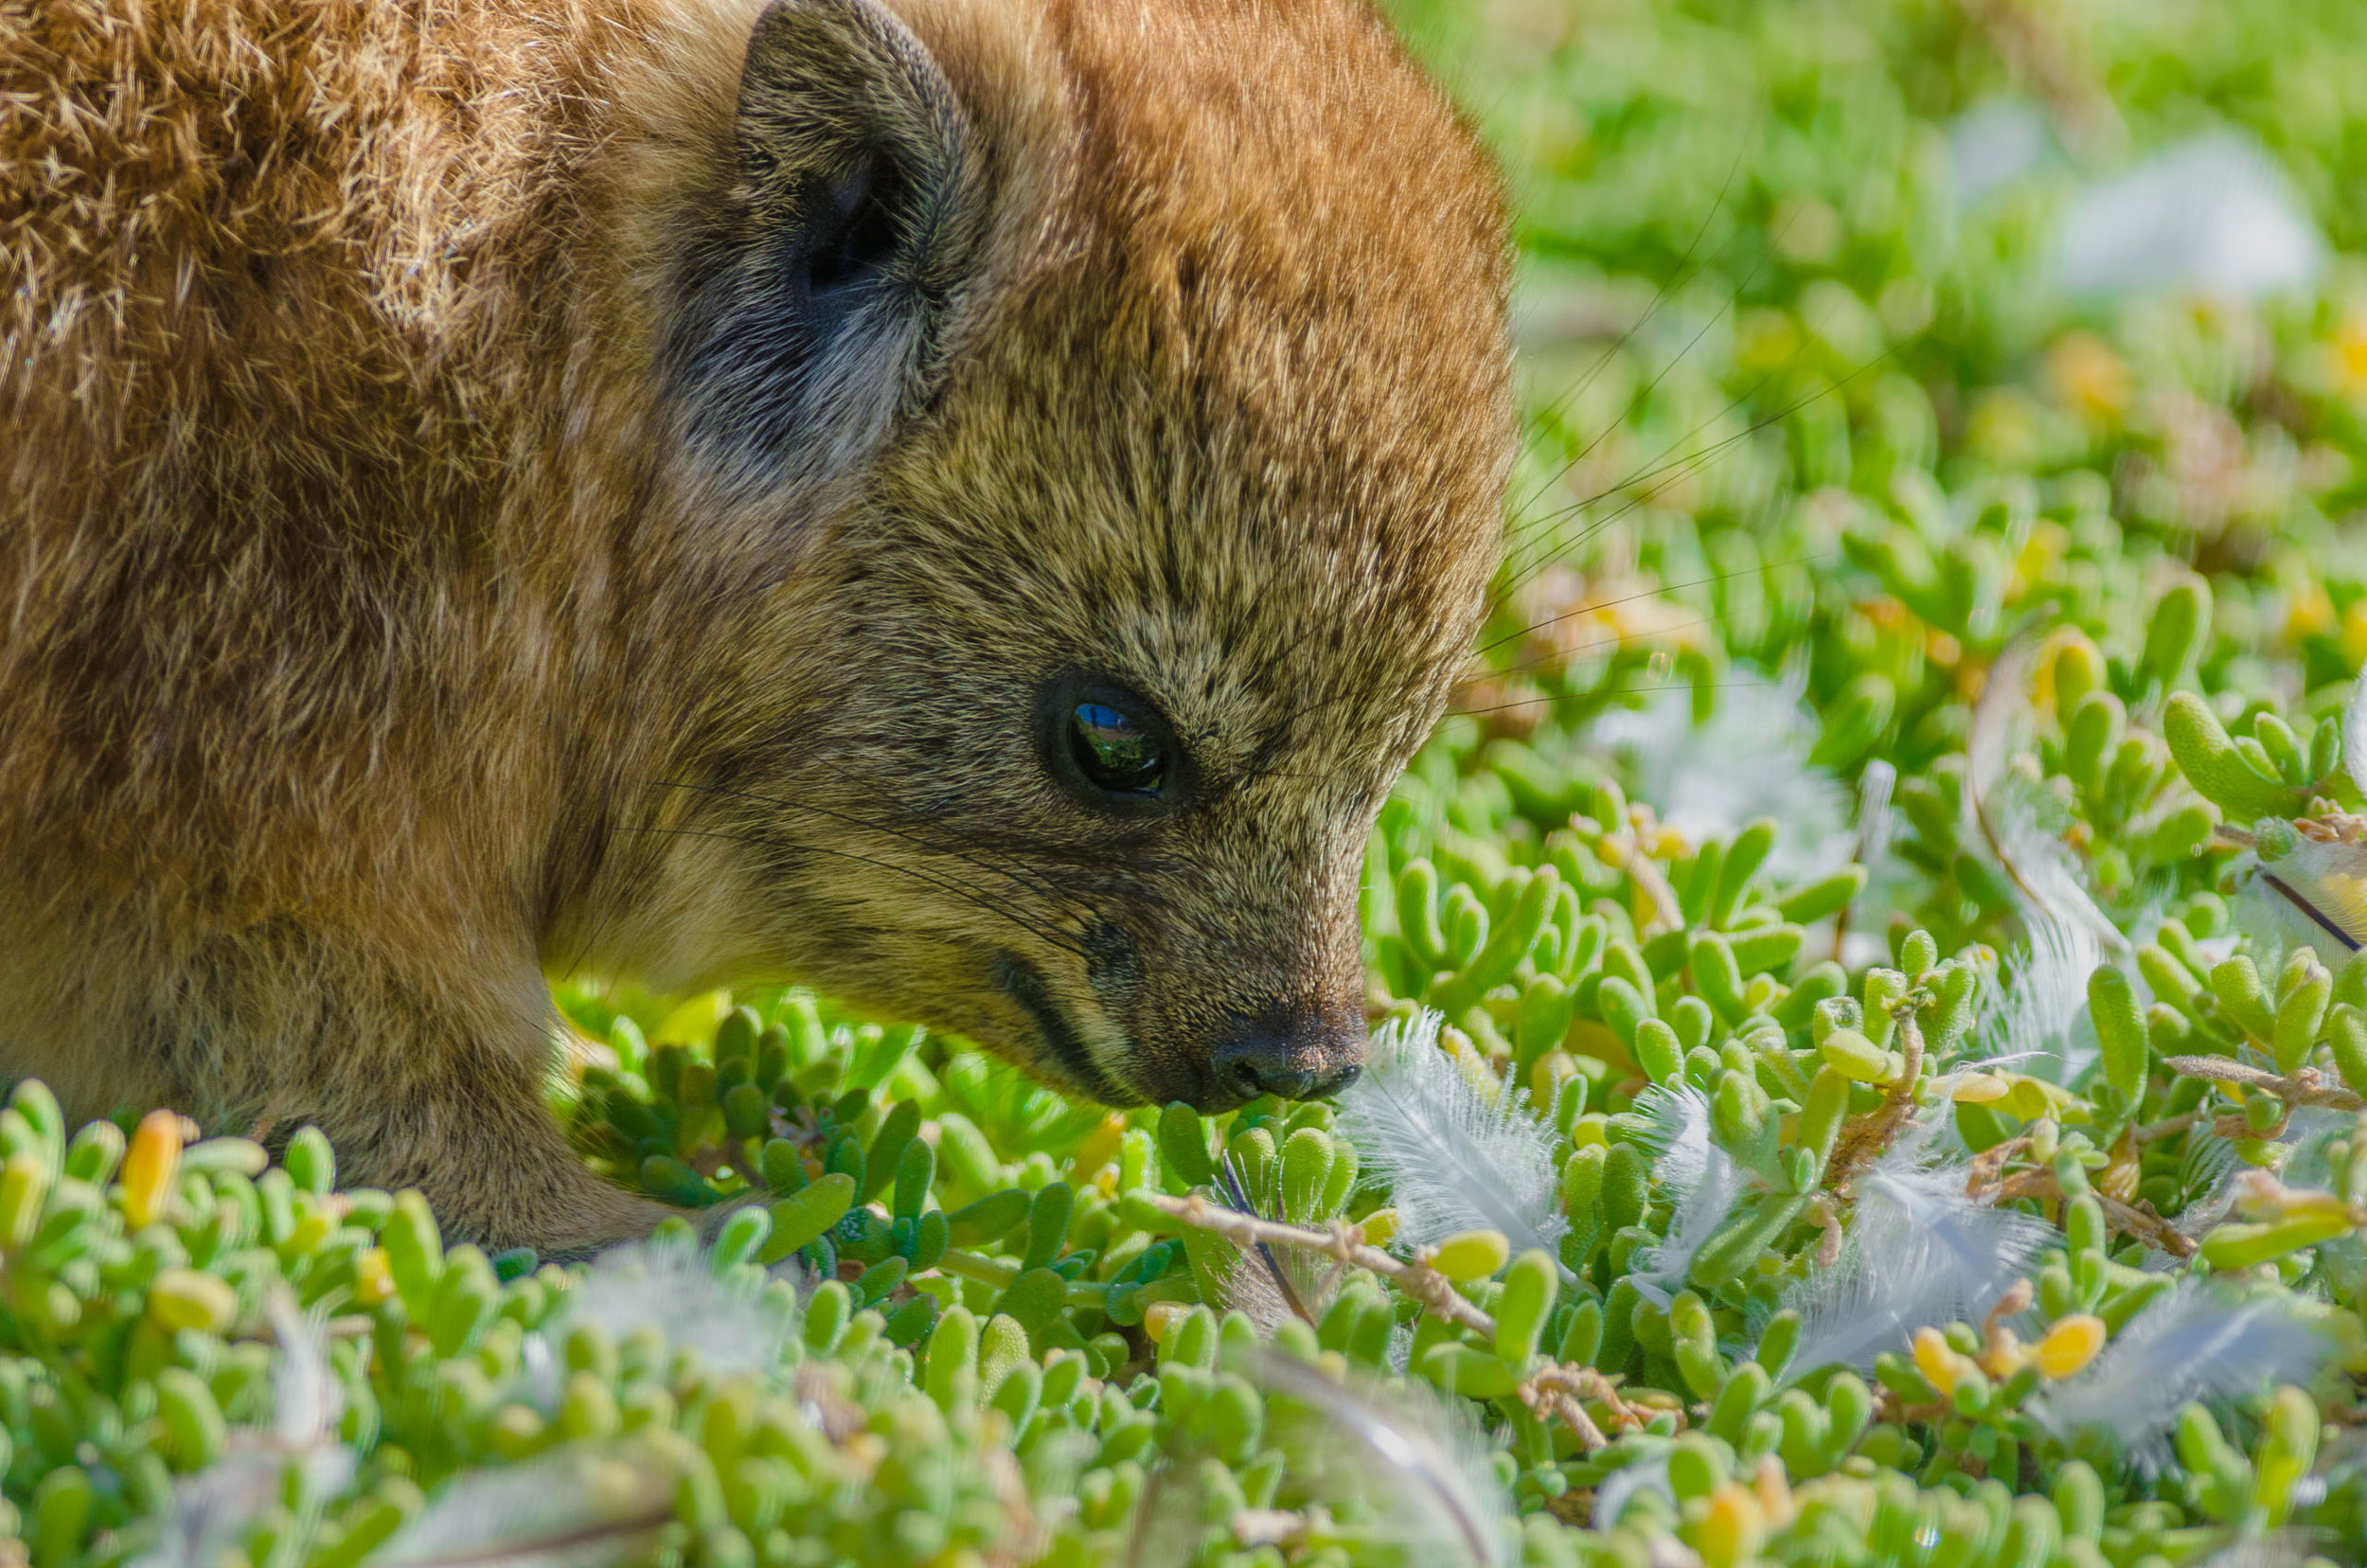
(1024, 984)
(1290, 1051)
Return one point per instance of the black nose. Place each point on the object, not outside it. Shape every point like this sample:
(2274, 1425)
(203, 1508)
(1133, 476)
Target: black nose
(1294, 1058)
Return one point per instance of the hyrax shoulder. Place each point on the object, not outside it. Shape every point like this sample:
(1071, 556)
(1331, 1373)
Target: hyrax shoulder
(967, 502)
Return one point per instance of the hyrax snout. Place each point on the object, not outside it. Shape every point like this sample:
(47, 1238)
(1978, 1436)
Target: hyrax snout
(964, 503)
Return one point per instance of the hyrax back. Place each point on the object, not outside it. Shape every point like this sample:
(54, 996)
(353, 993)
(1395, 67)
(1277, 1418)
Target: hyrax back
(967, 502)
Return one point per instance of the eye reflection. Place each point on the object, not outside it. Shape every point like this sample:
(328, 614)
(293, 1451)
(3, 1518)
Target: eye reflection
(1116, 752)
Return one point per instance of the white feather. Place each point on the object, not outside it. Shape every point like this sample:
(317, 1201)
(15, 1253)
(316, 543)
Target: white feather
(1699, 1177)
(2355, 733)
(731, 1325)
(1673, 1126)
(2212, 1164)
(1453, 1158)
(1626, 1484)
(1659, 1271)
(572, 1508)
(1891, 883)
(2010, 813)
(305, 1398)
(2213, 215)
(2197, 1343)
(2280, 1549)
(1918, 1252)
(1408, 1456)
(1268, 1284)
(2209, 1167)
(213, 1508)
(2317, 895)
(1749, 760)
(2039, 1008)
(1876, 818)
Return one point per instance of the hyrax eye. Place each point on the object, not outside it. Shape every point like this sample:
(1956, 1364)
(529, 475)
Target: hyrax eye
(1114, 750)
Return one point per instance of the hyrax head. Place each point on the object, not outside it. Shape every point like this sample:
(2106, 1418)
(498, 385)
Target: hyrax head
(1134, 376)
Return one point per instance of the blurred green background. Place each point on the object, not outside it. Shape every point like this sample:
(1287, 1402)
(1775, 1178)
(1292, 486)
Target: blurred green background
(1872, 195)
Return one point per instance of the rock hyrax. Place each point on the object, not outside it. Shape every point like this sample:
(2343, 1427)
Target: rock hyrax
(967, 502)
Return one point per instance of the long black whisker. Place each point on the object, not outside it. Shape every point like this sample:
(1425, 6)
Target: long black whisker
(1623, 691)
(1683, 274)
(1680, 468)
(1710, 582)
(1657, 464)
(1662, 374)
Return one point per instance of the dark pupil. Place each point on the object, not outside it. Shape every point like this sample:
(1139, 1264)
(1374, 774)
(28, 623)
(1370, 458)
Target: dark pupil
(1115, 753)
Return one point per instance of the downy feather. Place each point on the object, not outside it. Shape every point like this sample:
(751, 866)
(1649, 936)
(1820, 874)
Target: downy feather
(2208, 1169)
(1408, 1456)
(1749, 759)
(1268, 1284)
(1625, 1485)
(670, 1286)
(2009, 816)
(1453, 1157)
(1699, 1177)
(1673, 1126)
(1890, 882)
(1876, 822)
(2199, 1342)
(572, 1507)
(2038, 1006)
(2317, 895)
(2288, 1548)
(1918, 1252)
(2354, 735)
(213, 1508)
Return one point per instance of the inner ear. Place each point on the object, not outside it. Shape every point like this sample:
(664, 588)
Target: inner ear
(856, 226)
(808, 312)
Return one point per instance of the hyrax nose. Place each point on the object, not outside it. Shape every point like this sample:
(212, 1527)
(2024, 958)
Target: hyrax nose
(1295, 1056)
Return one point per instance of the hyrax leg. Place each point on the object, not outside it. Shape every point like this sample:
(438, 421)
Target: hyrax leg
(419, 1079)
(466, 1124)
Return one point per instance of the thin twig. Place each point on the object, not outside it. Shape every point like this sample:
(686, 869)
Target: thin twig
(1864, 1140)
(1343, 1241)
(2168, 1127)
(2137, 1220)
(1559, 1389)
(2306, 1086)
(1555, 1386)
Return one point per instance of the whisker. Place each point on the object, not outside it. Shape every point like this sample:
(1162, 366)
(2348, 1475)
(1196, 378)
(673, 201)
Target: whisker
(1659, 462)
(1073, 888)
(1680, 468)
(873, 824)
(1621, 691)
(1710, 582)
(1061, 939)
(1563, 655)
(1663, 375)
(1683, 274)
(1674, 360)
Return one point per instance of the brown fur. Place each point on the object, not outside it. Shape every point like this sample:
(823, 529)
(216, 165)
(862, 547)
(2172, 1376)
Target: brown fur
(395, 612)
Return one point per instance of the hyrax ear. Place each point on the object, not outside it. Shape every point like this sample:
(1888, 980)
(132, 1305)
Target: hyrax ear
(809, 313)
